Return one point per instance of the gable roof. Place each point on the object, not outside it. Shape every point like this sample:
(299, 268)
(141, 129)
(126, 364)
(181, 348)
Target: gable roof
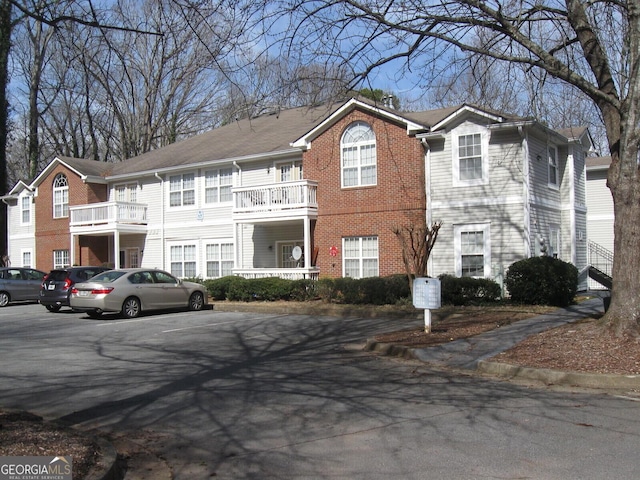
(280, 133)
(90, 171)
(266, 135)
(598, 163)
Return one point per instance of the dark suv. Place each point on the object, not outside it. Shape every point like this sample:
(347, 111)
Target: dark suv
(56, 286)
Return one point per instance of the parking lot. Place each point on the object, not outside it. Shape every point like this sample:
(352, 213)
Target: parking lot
(240, 395)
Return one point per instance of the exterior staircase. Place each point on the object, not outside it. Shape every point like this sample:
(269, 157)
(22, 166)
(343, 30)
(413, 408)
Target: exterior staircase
(600, 264)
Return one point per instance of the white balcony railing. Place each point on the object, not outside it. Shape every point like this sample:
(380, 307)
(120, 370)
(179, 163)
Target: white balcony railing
(108, 213)
(275, 197)
(287, 273)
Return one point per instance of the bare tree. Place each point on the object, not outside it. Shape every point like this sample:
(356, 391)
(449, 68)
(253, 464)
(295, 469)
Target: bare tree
(416, 242)
(592, 46)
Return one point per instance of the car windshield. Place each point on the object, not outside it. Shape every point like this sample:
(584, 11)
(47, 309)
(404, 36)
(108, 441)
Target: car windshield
(107, 277)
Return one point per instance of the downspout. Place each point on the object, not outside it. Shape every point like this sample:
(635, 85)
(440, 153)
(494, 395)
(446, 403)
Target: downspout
(427, 184)
(526, 194)
(162, 209)
(236, 237)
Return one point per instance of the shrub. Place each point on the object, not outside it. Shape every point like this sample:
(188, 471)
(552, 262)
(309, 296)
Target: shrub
(303, 290)
(219, 288)
(268, 289)
(468, 290)
(326, 289)
(542, 281)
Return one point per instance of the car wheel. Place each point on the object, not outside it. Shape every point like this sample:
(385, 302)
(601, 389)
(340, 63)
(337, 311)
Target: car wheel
(4, 299)
(196, 301)
(94, 313)
(131, 308)
(53, 308)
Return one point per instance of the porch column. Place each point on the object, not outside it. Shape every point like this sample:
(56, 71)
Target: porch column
(72, 251)
(307, 243)
(116, 248)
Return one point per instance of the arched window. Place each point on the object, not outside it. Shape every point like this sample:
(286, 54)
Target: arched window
(358, 148)
(60, 196)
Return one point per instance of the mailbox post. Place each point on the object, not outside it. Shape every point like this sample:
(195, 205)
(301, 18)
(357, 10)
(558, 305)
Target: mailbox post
(426, 294)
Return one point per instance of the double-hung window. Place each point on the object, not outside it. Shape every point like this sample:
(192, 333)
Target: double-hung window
(60, 196)
(182, 190)
(358, 156)
(219, 259)
(61, 259)
(183, 261)
(27, 258)
(553, 166)
(360, 257)
(25, 210)
(472, 246)
(469, 158)
(217, 185)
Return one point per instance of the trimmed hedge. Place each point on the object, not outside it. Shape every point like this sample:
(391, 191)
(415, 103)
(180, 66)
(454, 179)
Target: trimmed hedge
(371, 290)
(468, 290)
(542, 281)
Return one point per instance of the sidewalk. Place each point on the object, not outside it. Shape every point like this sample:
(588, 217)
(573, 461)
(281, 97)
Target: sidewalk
(472, 353)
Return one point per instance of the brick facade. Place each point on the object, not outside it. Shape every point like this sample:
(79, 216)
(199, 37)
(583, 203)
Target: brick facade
(53, 233)
(398, 198)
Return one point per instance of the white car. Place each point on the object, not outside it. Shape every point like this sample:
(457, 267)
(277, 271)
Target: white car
(131, 291)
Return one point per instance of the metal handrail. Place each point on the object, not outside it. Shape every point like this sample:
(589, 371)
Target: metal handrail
(600, 258)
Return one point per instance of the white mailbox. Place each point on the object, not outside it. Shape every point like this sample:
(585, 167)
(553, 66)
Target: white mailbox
(426, 293)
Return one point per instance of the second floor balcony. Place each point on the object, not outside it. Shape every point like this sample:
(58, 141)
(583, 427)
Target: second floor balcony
(107, 214)
(280, 200)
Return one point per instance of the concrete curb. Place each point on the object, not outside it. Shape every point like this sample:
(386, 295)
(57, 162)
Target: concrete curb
(558, 377)
(107, 467)
(389, 349)
(503, 370)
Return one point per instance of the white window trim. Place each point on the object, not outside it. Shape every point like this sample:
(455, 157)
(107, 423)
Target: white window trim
(217, 185)
(457, 245)
(63, 264)
(455, 151)
(182, 261)
(556, 185)
(182, 190)
(554, 231)
(361, 257)
(219, 242)
(30, 252)
(62, 189)
(358, 144)
(29, 198)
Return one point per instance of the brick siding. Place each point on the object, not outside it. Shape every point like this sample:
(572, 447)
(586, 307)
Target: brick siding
(53, 233)
(398, 198)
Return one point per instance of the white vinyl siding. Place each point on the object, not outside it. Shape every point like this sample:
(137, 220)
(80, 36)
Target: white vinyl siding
(360, 257)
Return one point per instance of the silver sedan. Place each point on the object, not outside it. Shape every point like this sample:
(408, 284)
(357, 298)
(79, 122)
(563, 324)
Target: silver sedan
(131, 291)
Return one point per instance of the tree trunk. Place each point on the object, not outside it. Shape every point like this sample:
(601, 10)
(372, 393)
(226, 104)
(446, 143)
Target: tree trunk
(624, 182)
(5, 46)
